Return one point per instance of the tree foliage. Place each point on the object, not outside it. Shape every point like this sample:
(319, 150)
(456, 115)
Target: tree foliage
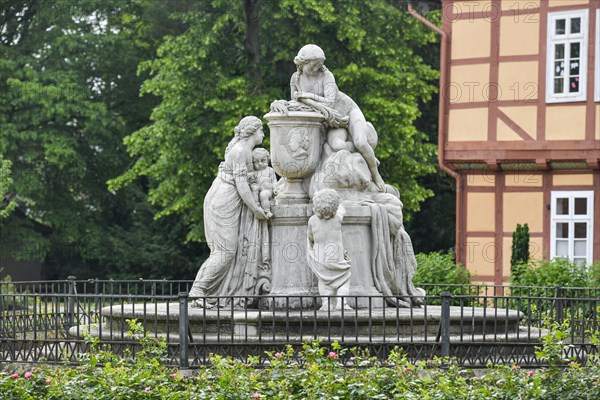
(520, 245)
(68, 95)
(6, 205)
(438, 268)
(433, 227)
(557, 272)
(519, 250)
(236, 57)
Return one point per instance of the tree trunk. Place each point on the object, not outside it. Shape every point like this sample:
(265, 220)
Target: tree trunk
(251, 42)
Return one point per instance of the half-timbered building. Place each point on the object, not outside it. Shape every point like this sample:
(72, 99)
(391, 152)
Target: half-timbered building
(520, 128)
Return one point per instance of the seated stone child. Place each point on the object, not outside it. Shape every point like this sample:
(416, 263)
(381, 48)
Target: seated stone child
(263, 180)
(325, 251)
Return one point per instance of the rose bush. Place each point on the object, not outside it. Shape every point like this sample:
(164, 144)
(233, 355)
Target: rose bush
(315, 372)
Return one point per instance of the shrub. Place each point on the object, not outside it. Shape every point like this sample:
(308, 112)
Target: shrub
(539, 281)
(558, 272)
(314, 373)
(436, 268)
(520, 249)
(443, 274)
(594, 274)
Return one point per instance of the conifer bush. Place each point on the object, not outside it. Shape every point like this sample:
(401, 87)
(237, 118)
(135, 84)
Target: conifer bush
(520, 251)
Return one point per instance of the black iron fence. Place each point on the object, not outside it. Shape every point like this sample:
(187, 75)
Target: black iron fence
(56, 322)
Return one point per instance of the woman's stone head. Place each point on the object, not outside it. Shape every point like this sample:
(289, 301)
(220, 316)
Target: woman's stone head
(309, 53)
(247, 127)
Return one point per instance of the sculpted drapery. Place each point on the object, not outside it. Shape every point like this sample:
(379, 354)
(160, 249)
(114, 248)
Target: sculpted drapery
(234, 224)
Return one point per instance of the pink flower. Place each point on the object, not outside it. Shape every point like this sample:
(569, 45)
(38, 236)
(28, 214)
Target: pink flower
(256, 395)
(147, 388)
(278, 354)
(515, 367)
(174, 375)
(28, 374)
(48, 380)
(332, 354)
(530, 373)
(15, 376)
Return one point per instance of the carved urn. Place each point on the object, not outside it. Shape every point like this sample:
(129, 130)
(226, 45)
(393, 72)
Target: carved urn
(296, 141)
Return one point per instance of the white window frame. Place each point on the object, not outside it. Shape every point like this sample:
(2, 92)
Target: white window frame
(598, 54)
(571, 219)
(566, 39)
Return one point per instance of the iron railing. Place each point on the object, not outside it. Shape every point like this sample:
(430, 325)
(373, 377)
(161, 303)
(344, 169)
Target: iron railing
(476, 324)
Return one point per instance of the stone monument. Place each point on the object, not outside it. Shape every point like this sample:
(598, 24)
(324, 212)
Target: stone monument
(272, 258)
(320, 140)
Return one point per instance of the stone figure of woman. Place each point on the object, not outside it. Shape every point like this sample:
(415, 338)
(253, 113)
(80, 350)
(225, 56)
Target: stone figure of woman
(233, 223)
(314, 85)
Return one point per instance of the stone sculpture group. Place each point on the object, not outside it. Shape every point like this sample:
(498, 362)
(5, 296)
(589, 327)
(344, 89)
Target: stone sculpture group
(324, 150)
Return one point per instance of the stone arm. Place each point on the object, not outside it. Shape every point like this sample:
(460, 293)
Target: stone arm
(310, 239)
(243, 189)
(330, 90)
(273, 177)
(311, 96)
(240, 178)
(323, 104)
(294, 88)
(341, 212)
(252, 178)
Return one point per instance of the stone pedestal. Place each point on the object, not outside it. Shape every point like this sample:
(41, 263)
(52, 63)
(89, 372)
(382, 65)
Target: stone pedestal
(394, 326)
(291, 275)
(357, 237)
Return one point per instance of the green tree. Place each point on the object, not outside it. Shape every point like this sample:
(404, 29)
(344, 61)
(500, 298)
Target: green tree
(69, 93)
(236, 57)
(6, 205)
(433, 227)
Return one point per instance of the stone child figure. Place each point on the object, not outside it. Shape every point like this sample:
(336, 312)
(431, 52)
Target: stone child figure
(263, 180)
(325, 252)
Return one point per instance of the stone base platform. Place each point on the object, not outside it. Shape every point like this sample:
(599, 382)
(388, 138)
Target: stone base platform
(387, 325)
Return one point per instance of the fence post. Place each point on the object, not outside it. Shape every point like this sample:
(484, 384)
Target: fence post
(558, 303)
(183, 330)
(71, 302)
(445, 324)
